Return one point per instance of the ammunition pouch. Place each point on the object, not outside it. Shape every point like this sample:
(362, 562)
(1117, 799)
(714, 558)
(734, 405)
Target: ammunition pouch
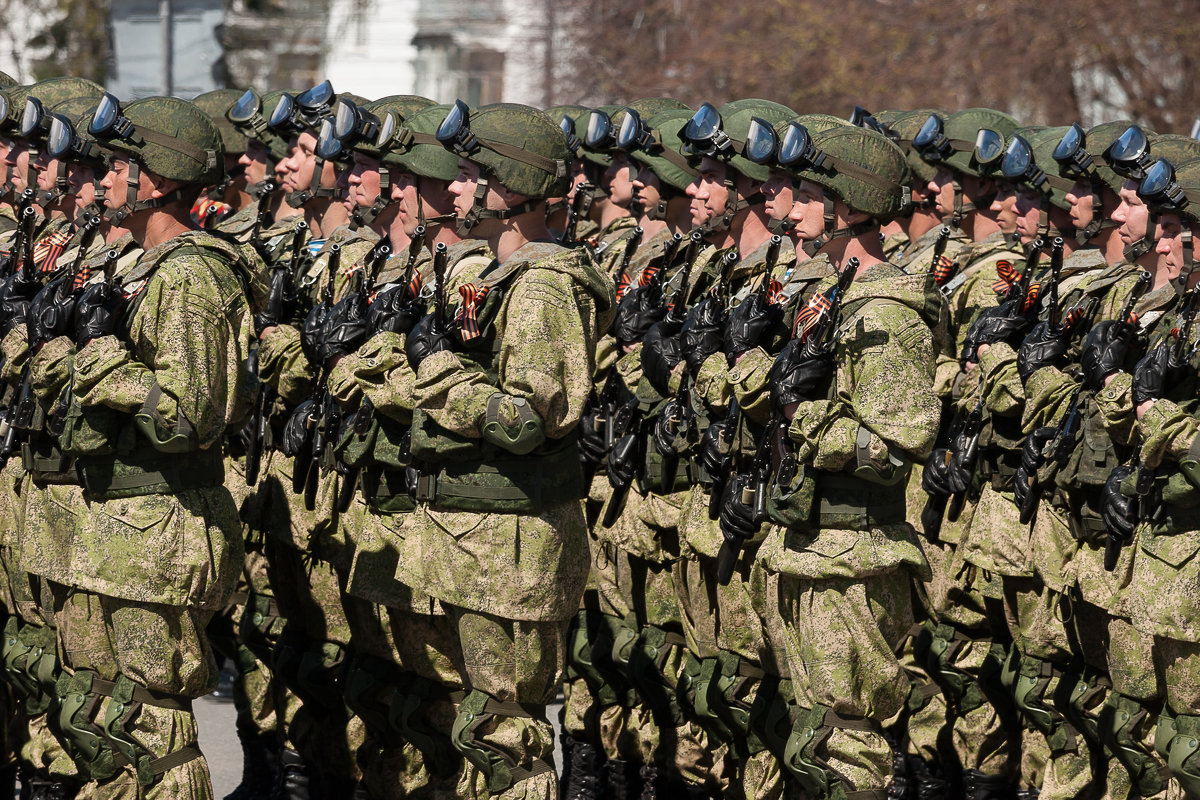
(500, 769)
(46, 464)
(792, 504)
(1029, 692)
(999, 466)
(146, 471)
(849, 502)
(1124, 724)
(707, 690)
(811, 728)
(464, 474)
(647, 673)
(1177, 739)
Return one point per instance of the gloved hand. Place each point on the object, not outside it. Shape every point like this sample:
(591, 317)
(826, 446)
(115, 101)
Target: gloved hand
(394, 310)
(795, 376)
(1032, 458)
(1003, 324)
(623, 461)
(935, 478)
(311, 332)
(1119, 512)
(592, 445)
(661, 352)
(703, 332)
(1151, 375)
(51, 312)
(296, 431)
(427, 337)
(671, 428)
(344, 330)
(1043, 347)
(737, 518)
(97, 311)
(715, 447)
(1104, 352)
(749, 323)
(637, 313)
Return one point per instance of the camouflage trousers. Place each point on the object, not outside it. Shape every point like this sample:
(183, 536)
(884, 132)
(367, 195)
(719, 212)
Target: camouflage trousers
(134, 669)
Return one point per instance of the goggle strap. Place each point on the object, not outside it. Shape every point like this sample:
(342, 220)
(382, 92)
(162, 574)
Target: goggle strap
(555, 167)
(208, 158)
(852, 170)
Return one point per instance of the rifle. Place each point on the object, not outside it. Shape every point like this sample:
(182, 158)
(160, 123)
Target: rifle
(305, 474)
(774, 450)
(631, 245)
(570, 235)
(265, 190)
(439, 286)
(623, 440)
(366, 410)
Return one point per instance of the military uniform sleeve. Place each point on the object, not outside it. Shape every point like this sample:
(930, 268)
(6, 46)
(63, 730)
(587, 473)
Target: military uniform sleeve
(1004, 394)
(750, 381)
(182, 328)
(384, 375)
(1167, 433)
(546, 357)
(1047, 393)
(283, 365)
(712, 383)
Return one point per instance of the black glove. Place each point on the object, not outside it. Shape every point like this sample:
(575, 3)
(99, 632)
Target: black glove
(623, 461)
(703, 332)
(935, 478)
(638, 312)
(671, 428)
(592, 445)
(51, 312)
(1104, 352)
(344, 331)
(1151, 375)
(797, 376)
(660, 353)
(97, 311)
(311, 332)
(1043, 347)
(1031, 461)
(427, 337)
(737, 518)
(749, 323)
(1002, 325)
(1119, 511)
(296, 431)
(715, 446)
(394, 310)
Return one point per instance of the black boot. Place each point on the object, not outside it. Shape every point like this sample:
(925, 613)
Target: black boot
(622, 779)
(586, 781)
(1031, 793)
(260, 763)
(901, 787)
(292, 783)
(929, 785)
(35, 787)
(651, 781)
(981, 786)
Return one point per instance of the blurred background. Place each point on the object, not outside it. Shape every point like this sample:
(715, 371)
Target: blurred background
(1045, 62)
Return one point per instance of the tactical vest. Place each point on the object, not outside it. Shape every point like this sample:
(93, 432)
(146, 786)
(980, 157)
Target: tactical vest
(465, 474)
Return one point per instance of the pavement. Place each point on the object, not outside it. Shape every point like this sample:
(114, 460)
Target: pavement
(219, 742)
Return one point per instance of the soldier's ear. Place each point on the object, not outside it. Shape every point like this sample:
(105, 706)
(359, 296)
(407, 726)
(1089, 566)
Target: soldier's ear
(162, 186)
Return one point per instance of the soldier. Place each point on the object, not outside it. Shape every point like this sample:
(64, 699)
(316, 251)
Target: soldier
(499, 485)
(154, 376)
(228, 205)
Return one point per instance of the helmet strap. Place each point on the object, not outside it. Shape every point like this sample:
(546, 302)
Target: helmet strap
(1099, 221)
(782, 227)
(61, 187)
(314, 190)
(132, 184)
(961, 206)
(365, 216)
(1136, 249)
(479, 209)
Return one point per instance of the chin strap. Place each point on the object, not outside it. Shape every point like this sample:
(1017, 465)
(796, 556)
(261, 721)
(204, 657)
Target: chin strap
(479, 211)
(61, 187)
(365, 216)
(781, 227)
(132, 183)
(733, 204)
(1189, 259)
(961, 206)
(314, 190)
(1099, 221)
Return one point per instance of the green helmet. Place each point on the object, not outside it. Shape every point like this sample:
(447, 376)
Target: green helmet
(215, 104)
(660, 149)
(366, 128)
(1173, 189)
(721, 133)
(862, 168)
(6, 80)
(600, 155)
(954, 139)
(1130, 153)
(248, 116)
(813, 123)
(603, 127)
(422, 154)
(1029, 159)
(901, 127)
(572, 119)
(38, 99)
(170, 137)
(517, 145)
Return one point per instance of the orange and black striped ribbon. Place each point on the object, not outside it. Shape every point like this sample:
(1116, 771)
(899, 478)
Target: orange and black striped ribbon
(1008, 277)
(942, 270)
(47, 251)
(467, 316)
(817, 305)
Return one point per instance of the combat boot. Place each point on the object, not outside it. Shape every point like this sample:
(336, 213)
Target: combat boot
(929, 786)
(585, 781)
(292, 783)
(260, 767)
(901, 787)
(981, 786)
(1031, 793)
(621, 778)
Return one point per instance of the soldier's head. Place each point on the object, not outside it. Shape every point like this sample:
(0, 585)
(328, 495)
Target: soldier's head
(779, 187)
(1043, 210)
(308, 175)
(422, 172)
(233, 139)
(511, 158)
(663, 174)
(572, 119)
(53, 184)
(1172, 193)
(265, 148)
(1093, 196)
(358, 128)
(851, 180)
(163, 148)
(87, 162)
(901, 127)
(717, 143)
(1129, 156)
(26, 118)
(600, 145)
(965, 149)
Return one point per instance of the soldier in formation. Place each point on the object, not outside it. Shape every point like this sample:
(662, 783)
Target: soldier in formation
(808, 457)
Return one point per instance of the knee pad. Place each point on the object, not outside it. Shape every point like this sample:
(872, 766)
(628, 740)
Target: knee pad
(406, 715)
(1079, 696)
(770, 718)
(1177, 739)
(1029, 692)
(646, 671)
(127, 697)
(40, 663)
(625, 638)
(1124, 723)
(732, 682)
(499, 767)
(961, 689)
(706, 694)
(79, 735)
(811, 728)
(16, 651)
